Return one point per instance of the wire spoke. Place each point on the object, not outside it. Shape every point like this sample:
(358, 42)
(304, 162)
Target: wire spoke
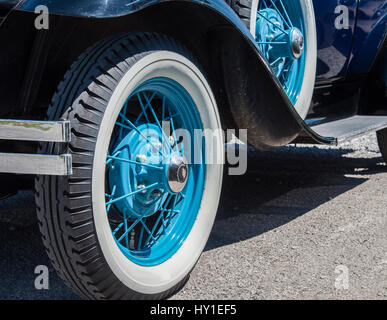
(144, 108)
(288, 23)
(276, 61)
(153, 230)
(135, 162)
(277, 26)
(128, 230)
(158, 122)
(286, 13)
(273, 42)
(147, 230)
(161, 218)
(139, 132)
(111, 196)
(116, 154)
(132, 193)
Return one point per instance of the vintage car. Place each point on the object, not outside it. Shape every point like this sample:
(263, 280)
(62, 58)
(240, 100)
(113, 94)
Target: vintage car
(95, 95)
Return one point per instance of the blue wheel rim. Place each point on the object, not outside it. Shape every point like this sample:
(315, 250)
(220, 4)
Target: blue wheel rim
(276, 20)
(149, 220)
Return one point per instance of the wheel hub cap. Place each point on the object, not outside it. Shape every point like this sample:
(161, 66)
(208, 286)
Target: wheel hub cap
(177, 173)
(297, 42)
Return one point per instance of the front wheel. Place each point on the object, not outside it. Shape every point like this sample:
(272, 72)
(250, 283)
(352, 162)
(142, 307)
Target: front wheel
(133, 219)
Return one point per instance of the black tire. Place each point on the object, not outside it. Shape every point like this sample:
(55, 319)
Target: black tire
(64, 204)
(243, 8)
(382, 140)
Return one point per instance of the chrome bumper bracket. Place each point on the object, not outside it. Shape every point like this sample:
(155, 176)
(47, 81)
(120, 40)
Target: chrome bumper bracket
(49, 131)
(36, 131)
(36, 164)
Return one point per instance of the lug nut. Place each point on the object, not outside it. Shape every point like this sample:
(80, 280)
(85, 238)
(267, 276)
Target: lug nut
(141, 158)
(141, 186)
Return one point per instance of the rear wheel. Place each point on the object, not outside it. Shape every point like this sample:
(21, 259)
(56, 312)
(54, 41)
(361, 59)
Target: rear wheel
(285, 32)
(382, 140)
(133, 219)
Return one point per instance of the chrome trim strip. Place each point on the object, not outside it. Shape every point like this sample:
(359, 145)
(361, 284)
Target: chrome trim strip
(26, 130)
(36, 164)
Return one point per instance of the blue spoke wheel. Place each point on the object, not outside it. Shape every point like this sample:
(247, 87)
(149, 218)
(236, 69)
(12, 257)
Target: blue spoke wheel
(154, 194)
(285, 33)
(135, 216)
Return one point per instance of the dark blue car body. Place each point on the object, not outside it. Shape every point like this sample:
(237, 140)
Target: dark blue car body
(352, 50)
(351, 60)
(349, 51)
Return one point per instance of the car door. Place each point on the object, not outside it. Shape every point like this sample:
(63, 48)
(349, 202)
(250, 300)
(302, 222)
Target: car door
(336, 21)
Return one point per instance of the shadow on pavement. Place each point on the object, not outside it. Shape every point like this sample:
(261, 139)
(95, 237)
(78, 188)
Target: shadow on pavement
(284, 184)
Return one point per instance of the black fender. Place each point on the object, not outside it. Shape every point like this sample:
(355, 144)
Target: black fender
(248, 93)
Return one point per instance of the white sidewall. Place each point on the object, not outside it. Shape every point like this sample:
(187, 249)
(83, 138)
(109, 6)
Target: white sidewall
(157, 279)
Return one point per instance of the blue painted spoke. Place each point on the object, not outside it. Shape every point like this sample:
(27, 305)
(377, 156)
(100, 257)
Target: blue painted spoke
(153, 230)
(173, 208)
(127, 231)
(158, 122)
(166, 204)
(144, 108)
(111, 196)
(147, 230)
(288, 23)
(285, 11)
(162, 218)
(273, 42)
(114, 155)
(275, 61)
(171, 117)
(132, 194)
(135, 163)
(163, 225)
(139, 132)
(277, 26)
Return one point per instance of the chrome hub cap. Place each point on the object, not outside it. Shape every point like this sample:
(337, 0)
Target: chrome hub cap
(297, 42)
(177, 173)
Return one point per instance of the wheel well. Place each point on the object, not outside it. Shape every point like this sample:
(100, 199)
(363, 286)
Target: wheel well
(53, 51)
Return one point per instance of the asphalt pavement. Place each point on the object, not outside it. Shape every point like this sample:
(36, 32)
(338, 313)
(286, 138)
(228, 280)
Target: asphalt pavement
(305, 222)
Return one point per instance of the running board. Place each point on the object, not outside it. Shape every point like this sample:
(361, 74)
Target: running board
(35, 131)
(338, 131)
